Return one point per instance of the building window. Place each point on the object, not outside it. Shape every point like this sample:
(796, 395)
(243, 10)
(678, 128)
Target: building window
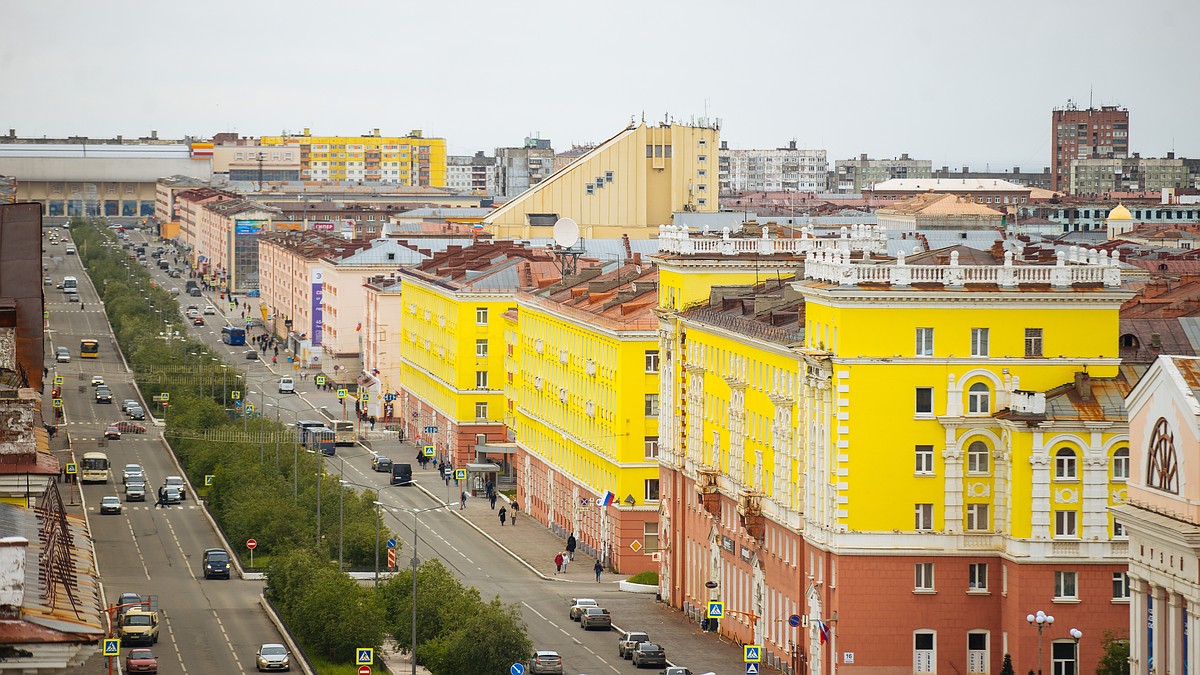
(1065, 524)
(481, 316)
(650, 538)
(977, 652)
(1033, 342)
(924, 652)
(924, 456)
(1120, 465)
(979, 342)
(979, 398)
(481, 349)
(700, 158)
(924, 517)
(651, 445)
(978, 457)
(651, 489)
(924, 577)
(924, 400)
(1120, 586)
(481, 379)
(481, 410)
(1064, 464)
(651, 405)
(924, 342)
(1062, 658)
(978, 518)
(977, 577)
(1064, 586)
(652, 361)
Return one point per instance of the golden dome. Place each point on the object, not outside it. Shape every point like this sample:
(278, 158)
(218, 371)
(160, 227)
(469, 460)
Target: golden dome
(1119, 212)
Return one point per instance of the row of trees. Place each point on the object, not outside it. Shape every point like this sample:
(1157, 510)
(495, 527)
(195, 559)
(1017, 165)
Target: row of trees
(267, 488)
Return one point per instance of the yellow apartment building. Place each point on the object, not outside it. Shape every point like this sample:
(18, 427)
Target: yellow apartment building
(628, 185)
(584, 390)
(413, 160)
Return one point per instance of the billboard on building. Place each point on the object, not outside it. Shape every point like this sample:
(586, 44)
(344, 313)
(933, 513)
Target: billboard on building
(247, 227)
(318, 296)
(323, 226)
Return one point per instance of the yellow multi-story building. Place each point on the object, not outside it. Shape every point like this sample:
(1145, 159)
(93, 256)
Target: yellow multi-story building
(584, 390)
(451, 363)
(912, 455)
(407, 160)
(628, 185)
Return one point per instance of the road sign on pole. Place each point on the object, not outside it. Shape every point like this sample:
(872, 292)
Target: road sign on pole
(58, 379)
(751, 669)
(391, 558)
(112, 646)
(752, 653)
(320, 380)
(716, 609)
(251, 544)
(794, 620)
(391, 543)
(364, 656)
(72, 468)
(428, 450)
(165, 396)
(516, 669)
(460, 474)
(364, 670)
(208, 479)
(235, 394)
(342, 393)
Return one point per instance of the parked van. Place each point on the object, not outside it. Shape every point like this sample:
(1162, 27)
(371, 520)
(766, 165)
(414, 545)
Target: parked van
(401, 474)
(287, 385)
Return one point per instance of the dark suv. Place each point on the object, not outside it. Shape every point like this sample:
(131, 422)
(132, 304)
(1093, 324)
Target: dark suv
(216, 563)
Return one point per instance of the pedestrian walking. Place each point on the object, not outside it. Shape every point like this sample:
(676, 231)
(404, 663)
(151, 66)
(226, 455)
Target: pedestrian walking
(597, 568)
(372, 423)
(503, 515)
(516, 508)
(274, 360)
(492, 499)
(558, 563)
(571, 543)
(463, 499)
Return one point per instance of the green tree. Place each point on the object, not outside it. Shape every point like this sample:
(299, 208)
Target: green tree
(1006, 668)
(1115, 660)
(442, 603)
(488, 640)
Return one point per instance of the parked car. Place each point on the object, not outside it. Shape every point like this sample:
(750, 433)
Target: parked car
(129, 427)
(48, 281)
(595, 617)
(112, 433)
(272, 657)
(676, 670)
(580, 604)
(649, 654)
(177, 483)
(141, 661)
(132, 471)
(110, 504)
(128, 601)
(545, 661)
(628, 640)
(381, 463)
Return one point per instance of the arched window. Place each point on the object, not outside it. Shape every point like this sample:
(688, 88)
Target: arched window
(1064, 464)
(1129, 340)
(1120, 464)
(979, 399)
(978, 458)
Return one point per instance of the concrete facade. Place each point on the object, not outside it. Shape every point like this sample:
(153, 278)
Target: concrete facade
(1085, 134)
(855, 176)
(789, 169)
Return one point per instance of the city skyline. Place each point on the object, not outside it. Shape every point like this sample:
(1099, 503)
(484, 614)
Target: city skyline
(845, 80)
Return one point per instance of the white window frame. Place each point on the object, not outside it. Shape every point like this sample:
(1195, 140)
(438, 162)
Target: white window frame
(979, 461)
(979, 341)
(979, 518)
(1119, 531)
(1066, 464)
(1120, 465)
(1120, 587)
(651, 407)
(978, 660)
(1066, 524)
(481, 410)
(657, 486)
(481, 379)
(923, 578)
(979, 399)
(481, 316)
(924, 342)
(1060, 664)
(650, 445)
(924, 660)
(923, 517)
(1066, 585)
(977, 577)
(481, 349)
(1035, 343)
(916, 402)
(923, 460)
(652, 361)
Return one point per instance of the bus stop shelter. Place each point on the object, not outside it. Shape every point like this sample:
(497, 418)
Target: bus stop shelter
(478, 474)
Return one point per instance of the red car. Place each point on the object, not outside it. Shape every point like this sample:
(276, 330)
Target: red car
(141, 661)
(129, 427)
(198, 321)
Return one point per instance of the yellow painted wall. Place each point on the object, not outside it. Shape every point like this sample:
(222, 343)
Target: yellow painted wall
(682, 286)
(341, 149)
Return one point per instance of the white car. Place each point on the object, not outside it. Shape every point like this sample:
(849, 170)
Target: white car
(177, 483)
(210, 310)
(110, 504)
(580, 604)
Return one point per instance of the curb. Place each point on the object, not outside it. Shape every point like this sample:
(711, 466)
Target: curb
(292, 646)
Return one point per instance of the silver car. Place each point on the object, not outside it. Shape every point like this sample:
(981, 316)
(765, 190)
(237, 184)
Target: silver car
(272, 657)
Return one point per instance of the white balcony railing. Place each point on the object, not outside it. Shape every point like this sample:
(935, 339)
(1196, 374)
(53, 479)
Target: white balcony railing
(868, 239)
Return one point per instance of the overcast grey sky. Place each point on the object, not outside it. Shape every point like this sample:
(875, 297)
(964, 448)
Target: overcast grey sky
(954, 81)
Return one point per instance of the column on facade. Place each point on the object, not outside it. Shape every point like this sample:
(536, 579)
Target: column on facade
(783, 447)
(1173, 632)
(737, 431)
(1158, 650)
(1191, 619)
(1139, 654)
(1039, 515)
(953, 484)
(695, 418)
(1095, 490)
(1002, 463)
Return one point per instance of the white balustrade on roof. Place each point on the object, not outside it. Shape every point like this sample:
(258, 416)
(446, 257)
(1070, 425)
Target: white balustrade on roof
(1079, 266)
(868, 239)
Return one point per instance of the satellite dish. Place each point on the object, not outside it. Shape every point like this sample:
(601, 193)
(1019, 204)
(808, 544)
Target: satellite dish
(566, 232)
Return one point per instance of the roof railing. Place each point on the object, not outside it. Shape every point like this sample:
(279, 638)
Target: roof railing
(868, 239)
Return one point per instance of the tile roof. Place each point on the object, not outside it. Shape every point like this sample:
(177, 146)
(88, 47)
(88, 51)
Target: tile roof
(622, 298)
(939, 204)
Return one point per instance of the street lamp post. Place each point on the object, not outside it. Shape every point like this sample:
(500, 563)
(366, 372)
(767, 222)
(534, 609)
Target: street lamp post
(1075, 635)
(1041, 620)
(320, 475)
(414, 581)
(341, 513)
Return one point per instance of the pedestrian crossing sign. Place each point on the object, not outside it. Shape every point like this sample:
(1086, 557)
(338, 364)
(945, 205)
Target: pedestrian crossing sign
(72, 468)
(58, 379)
(58, 403)
(716, 609)
(751, 669)
(364, 656)
(460, 474)
(249, 407)
(235, 394)
(112, 646)
(208, 479)
(428, 450)
(320, 380)
(342, 393)
(752, 653)
(165, 396)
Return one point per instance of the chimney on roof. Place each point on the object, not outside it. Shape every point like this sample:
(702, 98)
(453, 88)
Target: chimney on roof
(12, 576)
(153, 135)
(1083, 386)
(862, 157)
(17, 411)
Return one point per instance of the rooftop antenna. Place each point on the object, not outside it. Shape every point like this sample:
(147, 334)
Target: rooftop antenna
(1090, 89)
(566, 240)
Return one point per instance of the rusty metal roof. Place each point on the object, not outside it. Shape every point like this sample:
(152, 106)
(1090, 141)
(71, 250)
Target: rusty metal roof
(1106, 402)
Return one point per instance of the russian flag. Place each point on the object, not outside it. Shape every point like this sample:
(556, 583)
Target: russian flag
(606, 499)
(824, 630)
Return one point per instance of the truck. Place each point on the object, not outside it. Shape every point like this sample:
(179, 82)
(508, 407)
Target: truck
(139, 624)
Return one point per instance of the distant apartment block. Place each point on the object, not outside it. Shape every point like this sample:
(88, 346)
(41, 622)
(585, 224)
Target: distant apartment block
(407, 160)
(518, 169)
(562, 159)
(475, 174)
(853, 176)
(1128, 174)
(1033, 179)
(246, 159)
(789, 169)
(1093, 133)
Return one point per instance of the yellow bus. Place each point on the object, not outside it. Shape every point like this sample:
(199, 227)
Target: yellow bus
(94, 468)
(89, 349)
(343, 432)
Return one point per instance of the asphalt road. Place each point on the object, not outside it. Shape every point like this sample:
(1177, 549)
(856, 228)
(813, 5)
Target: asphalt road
(208, 626)
(181, 534)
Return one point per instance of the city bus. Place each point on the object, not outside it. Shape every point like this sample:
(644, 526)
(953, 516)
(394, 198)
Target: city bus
(89, 349)
(94, 468)
(70, 285)
(343, 431)
(232, 335)
(320, 439)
